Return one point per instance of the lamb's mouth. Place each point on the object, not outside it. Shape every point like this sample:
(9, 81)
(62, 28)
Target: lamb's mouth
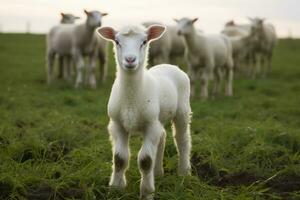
(130, 67)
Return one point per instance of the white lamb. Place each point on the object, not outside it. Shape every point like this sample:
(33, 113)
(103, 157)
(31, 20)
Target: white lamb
(242, 49)
(66, 18)
(208, 55)
(144, 101)
(267, 40)
(232, 29)
(75, 41)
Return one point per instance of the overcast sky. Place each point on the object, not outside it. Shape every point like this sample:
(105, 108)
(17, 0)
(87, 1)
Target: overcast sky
(42, 14)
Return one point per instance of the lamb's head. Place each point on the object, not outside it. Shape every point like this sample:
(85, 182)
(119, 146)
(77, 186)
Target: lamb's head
(131, 44)
(67, 18)
(257, 27)
(185, 25)
(94, 18)
(257, 23)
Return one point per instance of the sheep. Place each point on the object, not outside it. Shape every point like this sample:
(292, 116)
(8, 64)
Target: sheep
(169, 46)
(143, 100)
(267, 40)
(208, 55)
(75, 41)
(231, 29)
(242, 48)
(66, 18)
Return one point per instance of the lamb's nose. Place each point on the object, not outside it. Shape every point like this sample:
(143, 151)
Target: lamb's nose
(130, 59)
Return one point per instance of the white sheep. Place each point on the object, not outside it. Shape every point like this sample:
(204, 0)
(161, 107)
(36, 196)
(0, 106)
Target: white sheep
(264, 47)
(167, 48)
(144, 101)
(66, 18)
(76, 41)
(232, 29)
(242, 48)
(208, 55)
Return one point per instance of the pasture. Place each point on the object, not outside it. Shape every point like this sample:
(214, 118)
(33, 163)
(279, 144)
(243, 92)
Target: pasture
(54, 142)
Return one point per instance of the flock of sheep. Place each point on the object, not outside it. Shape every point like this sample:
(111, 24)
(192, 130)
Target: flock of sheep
(144, 100)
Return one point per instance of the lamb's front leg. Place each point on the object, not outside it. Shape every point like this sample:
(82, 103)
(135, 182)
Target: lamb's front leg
(91, 72)
(79, 61)
(119, 139)
(147, 157)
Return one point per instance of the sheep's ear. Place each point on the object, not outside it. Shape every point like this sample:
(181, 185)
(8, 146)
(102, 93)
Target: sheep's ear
(104, 14)
(176, 20)
(155, 32)
(62, 14)
(194, 20)
(107, 33)
(86, 12)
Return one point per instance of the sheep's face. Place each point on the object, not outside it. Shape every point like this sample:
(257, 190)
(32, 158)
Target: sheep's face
(257, 24)
(68, 18)
(94, 18)
(131, 44)
(185, 26)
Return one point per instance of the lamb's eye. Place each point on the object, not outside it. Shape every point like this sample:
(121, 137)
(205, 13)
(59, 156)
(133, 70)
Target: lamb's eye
(117, 43)
(144, 42)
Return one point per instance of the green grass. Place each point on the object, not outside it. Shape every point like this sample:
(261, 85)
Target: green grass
(54, 143)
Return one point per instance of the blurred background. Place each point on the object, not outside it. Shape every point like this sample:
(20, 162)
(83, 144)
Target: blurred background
(37, 16)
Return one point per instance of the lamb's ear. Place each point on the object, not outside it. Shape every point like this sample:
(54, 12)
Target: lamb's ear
(194, 20)
(86, 12)
(104, 14)
(155, 32)
(176, 20)
(62, 14)
(76, 17)
(107, 33)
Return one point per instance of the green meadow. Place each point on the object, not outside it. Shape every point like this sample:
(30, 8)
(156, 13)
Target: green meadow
(54, 143)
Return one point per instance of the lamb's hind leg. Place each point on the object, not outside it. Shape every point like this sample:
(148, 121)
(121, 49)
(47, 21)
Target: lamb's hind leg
(217, 81)
(159, 170)
(119, 139)
(182, 139)
(77, 56)
(50, 63)
(147, 158)
(229, 80)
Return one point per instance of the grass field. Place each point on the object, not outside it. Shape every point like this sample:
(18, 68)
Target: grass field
(54, 143)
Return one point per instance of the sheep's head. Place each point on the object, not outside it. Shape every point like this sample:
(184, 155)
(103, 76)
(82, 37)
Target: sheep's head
(67, 18)
(94, 18)
(185, 26)
(257, 27)
(131, 44)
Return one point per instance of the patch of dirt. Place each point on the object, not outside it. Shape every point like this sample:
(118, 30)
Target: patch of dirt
(285, 183)
(43, 191)
(202, 168)
(240, 178)
(38, 192)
